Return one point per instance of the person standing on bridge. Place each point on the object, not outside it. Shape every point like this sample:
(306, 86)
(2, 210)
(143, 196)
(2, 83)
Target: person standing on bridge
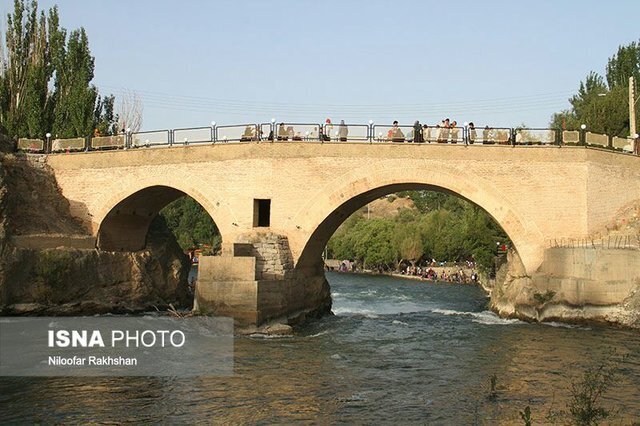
(417, 132)
(395, 133)
(343, 131)
(472, 132)
(282, 132)
(328, 128)
(455, 131)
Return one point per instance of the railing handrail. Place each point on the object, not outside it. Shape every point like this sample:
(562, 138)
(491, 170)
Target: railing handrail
(510, 135)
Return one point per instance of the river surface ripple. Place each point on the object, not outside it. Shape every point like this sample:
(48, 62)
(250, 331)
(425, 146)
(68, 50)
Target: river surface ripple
(397, 351)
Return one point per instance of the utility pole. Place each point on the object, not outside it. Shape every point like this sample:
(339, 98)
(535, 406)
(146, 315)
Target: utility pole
(632, 107)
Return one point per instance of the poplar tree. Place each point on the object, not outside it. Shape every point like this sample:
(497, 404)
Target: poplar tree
(36, 56)
(73, 113)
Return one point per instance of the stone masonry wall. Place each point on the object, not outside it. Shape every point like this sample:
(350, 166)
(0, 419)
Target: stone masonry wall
(273, 255)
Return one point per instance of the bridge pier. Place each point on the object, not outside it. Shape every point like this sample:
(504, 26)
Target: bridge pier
(255, 281)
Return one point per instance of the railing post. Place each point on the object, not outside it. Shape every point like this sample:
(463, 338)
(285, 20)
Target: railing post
(170, 137)
(370, 131)
(213, 132)
(273, 130)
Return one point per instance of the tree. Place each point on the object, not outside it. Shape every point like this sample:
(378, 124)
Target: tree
(602, 105)
(191, 224)
(76, 97)
(104, 119)
(35, 57)
(130, 111)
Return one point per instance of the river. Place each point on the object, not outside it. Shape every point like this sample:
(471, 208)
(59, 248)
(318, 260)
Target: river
(397, 351)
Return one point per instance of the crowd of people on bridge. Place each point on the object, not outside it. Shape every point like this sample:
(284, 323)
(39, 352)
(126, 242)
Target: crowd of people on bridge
(448, 131)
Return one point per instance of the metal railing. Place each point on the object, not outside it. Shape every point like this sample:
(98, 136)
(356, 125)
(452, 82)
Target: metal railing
(298, 132)
(330, 133)
(531, 136)
(346, 132)
(31, 145)
(597, 139)
(628, 242)
(237, 133)
(189, 135)
(108, 142)
(489, 135)
(622, 144)
(150, 138)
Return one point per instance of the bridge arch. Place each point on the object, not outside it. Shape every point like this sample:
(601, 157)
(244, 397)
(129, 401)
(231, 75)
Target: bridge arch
(124, 220)
(348, 193)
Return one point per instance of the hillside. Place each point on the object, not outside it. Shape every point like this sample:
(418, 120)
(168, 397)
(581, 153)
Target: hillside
(387, 207)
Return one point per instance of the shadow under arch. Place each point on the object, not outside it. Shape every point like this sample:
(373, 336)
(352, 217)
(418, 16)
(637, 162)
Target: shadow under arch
(310, 261)
(126, 225)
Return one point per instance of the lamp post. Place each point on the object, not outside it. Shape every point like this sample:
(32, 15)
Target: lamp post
(632, 106)
(48, 147)
(371, 134)
(127, 138)
(273, 129)
(583, 127)
(213, 131)
(465, 133)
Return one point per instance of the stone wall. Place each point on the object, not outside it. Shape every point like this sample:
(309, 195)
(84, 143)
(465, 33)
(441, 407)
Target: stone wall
(572, 284)
(273, 255)
(535, 193)
(49, 264)
(258, 283)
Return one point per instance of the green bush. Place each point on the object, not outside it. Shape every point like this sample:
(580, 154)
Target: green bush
(52, 266)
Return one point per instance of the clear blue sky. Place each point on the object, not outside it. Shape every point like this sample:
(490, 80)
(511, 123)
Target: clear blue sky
(491, 62)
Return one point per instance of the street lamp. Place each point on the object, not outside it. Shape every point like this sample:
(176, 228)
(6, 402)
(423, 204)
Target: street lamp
(583, 139)
(371, 134)
(213, 131)
(48, 135)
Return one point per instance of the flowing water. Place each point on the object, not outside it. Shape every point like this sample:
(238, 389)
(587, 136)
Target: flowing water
(397, 351)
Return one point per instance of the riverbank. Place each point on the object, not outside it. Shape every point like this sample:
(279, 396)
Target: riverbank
(438, 270)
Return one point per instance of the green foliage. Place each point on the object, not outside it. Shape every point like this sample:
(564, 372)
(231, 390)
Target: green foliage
(585, 406)
(493, 387)
(444, 227)
(191, 225)
(74, 109)
(603, 105)
(52, 266)
(39, 57)
(542, 298)
(526, 416)
(103, 116)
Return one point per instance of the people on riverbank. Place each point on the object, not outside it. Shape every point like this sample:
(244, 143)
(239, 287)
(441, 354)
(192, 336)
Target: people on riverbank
(458, 273)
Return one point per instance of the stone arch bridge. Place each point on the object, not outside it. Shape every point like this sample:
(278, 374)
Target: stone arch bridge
(277, 204)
